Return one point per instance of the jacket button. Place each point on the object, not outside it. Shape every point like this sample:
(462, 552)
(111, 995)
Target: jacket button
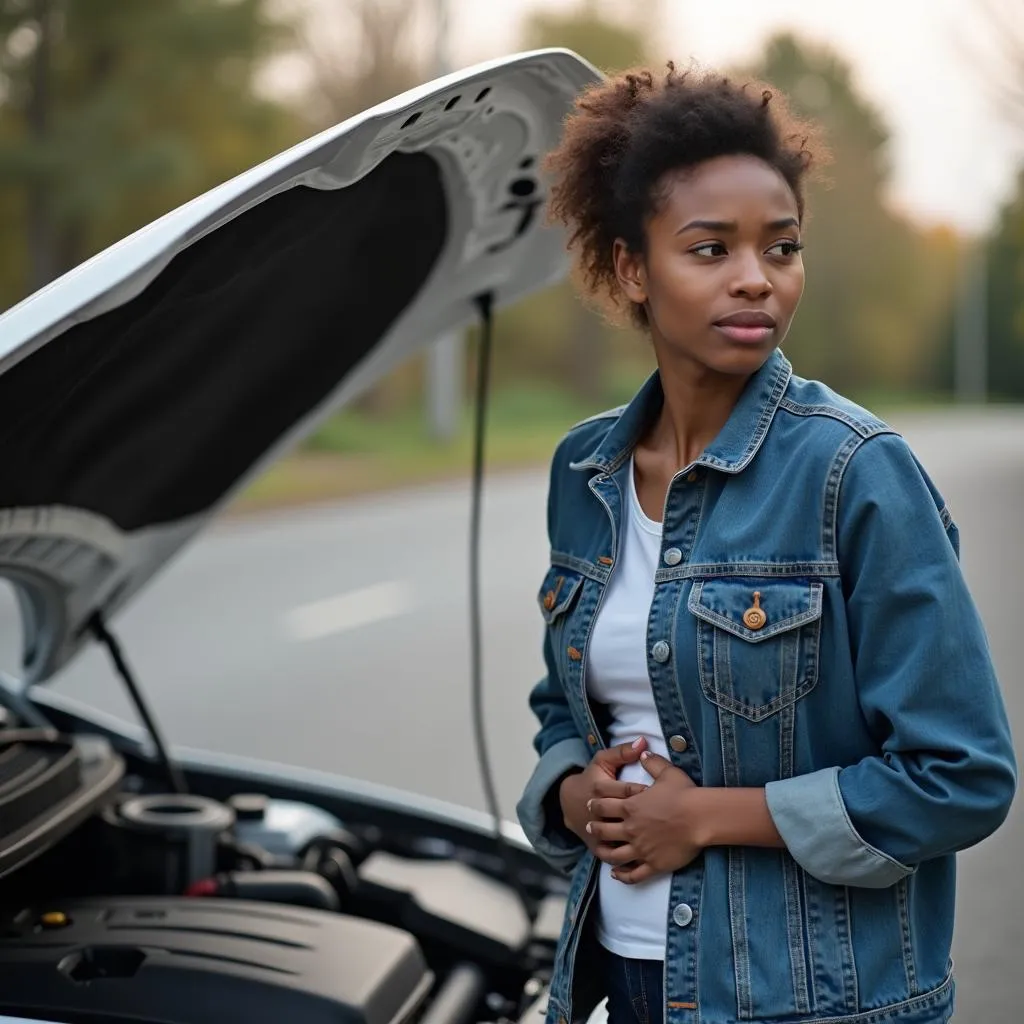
(692, 476)
(673, 556)
(678, 744)
(661, 651)
(754, 617)
(592, 740)
(682, 915)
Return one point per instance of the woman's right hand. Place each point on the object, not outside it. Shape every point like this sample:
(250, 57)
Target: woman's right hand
(599, 779)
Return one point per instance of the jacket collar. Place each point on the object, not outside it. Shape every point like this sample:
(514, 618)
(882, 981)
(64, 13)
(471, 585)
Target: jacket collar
(737, 442)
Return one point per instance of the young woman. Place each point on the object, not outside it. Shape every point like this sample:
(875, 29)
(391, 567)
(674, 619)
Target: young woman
(770, 717)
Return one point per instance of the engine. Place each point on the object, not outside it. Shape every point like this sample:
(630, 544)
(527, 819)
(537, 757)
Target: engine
(120, 901)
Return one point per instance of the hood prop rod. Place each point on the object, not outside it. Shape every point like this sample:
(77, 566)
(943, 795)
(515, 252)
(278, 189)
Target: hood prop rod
(103, 635)
(485, 306)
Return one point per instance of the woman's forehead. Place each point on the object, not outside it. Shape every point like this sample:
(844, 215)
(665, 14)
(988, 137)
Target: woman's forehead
(727, 188)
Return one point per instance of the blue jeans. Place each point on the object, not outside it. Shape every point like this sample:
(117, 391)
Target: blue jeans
(635, 992)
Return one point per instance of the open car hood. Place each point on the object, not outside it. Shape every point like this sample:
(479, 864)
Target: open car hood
(144, 388)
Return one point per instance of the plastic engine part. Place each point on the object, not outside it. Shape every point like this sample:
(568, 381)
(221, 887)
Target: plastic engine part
(450, 902)
(205, 961)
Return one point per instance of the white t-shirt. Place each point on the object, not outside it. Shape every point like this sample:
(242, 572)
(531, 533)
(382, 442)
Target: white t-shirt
(633, 917)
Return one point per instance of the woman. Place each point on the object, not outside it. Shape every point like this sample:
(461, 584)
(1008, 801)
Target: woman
(770, 717)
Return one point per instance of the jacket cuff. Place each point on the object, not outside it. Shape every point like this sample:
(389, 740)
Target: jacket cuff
(811, 818)
(551, 840)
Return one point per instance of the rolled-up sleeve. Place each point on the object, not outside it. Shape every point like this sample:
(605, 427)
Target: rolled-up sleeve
(810, 815)
(551, 839)
(945, 773)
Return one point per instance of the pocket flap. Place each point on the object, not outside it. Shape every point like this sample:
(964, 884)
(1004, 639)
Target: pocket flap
(733, 604)
(557, 592)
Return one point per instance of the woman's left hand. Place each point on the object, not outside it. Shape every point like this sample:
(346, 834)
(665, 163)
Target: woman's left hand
(657, 831)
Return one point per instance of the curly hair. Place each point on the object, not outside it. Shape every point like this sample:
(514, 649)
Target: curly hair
(628, 131)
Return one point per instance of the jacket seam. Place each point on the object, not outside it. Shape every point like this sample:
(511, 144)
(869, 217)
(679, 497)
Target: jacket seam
(865, 428)
(830, 506)
(886, 1013)
(781, 570)
(831, 530)
(909, 967)
(574, 563)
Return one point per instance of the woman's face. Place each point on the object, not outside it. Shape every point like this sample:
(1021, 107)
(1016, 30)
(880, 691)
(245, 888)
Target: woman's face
(722, 276)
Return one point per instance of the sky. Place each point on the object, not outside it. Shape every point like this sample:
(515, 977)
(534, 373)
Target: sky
(953, 157)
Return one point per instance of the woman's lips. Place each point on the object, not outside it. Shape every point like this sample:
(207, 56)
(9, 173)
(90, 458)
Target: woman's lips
(746, 334)
(747, 326)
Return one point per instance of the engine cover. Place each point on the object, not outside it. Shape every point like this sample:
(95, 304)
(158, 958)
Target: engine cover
(206, 961)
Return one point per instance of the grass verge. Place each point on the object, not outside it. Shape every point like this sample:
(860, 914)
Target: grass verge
(355, 454)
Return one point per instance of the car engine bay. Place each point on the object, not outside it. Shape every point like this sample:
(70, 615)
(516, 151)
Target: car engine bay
(120, 900)
(130, 892)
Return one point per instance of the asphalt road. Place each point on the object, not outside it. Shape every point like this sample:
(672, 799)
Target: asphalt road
(337, 639)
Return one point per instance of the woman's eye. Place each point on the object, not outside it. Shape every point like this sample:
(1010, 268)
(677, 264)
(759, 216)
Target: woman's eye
(710, 249)
(785, 249)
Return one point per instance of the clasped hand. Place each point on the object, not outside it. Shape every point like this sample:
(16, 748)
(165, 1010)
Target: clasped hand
(641, 830)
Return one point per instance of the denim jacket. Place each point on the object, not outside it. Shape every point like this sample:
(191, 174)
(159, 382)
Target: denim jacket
(863, 699)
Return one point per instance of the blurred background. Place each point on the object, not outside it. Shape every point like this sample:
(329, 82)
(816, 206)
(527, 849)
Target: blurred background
(334, 636)
(112, 113)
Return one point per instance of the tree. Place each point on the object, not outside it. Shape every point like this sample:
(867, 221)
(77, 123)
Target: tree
(998, 56)
(555, 333)
(611, 45)
(878, 289)
(1003, 70)
(359, 53)
(1006, 299)
(114, 113)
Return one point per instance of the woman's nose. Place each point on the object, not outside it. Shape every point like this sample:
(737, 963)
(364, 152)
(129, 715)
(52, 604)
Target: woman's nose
(750, 280)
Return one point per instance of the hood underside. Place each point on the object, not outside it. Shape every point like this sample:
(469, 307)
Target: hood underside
(146, 387)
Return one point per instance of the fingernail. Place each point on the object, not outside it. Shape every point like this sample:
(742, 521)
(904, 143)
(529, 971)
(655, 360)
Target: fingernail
(645, 755)
(589, 829)
(590, 806)
(637, 742)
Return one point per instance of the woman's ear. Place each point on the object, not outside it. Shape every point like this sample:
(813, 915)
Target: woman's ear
(630, 271)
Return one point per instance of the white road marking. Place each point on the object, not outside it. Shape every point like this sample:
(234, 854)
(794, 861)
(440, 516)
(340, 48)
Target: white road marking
(349, 611)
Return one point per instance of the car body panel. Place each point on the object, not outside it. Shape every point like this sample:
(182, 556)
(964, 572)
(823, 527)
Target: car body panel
(145, 388)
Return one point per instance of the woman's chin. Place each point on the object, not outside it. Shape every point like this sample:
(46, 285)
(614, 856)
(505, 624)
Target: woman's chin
(737, 360)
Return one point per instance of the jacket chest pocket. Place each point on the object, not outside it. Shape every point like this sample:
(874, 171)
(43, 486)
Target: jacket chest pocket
(557, 596)
(757, 642)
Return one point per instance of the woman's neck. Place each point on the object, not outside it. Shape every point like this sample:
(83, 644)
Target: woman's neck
(698, 402)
